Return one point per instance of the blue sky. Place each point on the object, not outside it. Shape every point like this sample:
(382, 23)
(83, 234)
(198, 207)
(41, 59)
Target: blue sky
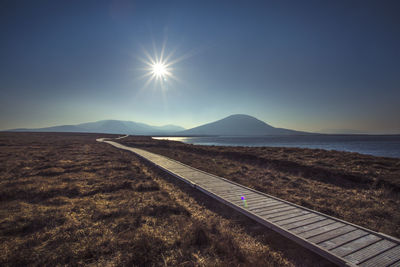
(304, 65)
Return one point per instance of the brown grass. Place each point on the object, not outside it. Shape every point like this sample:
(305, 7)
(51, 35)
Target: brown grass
(358, 188)
(68, 200)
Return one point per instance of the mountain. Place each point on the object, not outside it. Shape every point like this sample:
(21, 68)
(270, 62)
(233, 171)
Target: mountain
(234, 125)
(239, 124)
(110, 127)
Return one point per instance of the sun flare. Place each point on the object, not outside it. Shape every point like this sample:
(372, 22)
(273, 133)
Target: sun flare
(159, 67)
(159, 70)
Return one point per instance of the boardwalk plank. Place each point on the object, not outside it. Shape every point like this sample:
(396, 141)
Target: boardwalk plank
(250, 205)
(270, 207)
(355, 245)
(303, 222)
(296, 214)
(292, 212)
(297, 219)
(370, 251)
(311, 226)
(332, 234)
(257, 202)
(265, 200)
(234, 195)
(321, 230)
(261, 202)
(276, 212)
(261, 205)
(387, 258)
(340, 240)
(234, 191)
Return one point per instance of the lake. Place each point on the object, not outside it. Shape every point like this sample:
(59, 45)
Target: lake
(377, 145)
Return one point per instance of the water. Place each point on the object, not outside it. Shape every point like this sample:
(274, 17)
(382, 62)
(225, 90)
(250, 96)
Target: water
(377, 145)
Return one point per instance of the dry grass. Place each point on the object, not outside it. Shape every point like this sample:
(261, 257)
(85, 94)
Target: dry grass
(357, 188)
(68, 200)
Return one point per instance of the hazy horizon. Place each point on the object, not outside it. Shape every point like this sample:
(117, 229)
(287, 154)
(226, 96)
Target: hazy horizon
(307, 66)
(322, 131)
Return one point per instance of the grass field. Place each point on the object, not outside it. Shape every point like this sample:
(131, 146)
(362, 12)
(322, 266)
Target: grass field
(66, 199)
(361, 189)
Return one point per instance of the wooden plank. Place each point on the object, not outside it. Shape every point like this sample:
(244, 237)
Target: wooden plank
(207, 181)
(257, 208)
(267, 208)
(311, 226)
(223, 187)
(256, 200)
(174, 170)
(296, 219)
(261, 200)
(267, 213)
(183, 171)
(384, 259)
(238, 199)
(221, 191)
(303, 222)
(212, 185)
(332, 234)
(292, 215)
(261, 205)
(233, 195)
(235, 191)
(292, 212)
(253, 198)
(355, 245)
(321, 230)
(177, 168)
(208, 184)
(201, 176)
(234, 198)
(396, 264)
(340, 240)
(370, 251)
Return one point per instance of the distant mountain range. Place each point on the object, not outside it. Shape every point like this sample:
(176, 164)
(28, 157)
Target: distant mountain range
(234, 125)
(110, 127)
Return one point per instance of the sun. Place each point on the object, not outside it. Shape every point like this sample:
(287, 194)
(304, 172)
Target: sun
(159, 67)
(159, 70)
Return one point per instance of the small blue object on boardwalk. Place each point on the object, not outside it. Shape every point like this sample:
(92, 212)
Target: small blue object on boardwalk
(339, 241)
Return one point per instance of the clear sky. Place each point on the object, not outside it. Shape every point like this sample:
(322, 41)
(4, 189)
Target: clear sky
(304, 65)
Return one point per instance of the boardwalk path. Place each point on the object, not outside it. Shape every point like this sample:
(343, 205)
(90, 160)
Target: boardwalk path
(340, 242)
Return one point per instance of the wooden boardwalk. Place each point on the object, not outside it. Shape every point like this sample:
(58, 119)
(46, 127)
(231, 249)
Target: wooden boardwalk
(339, 241)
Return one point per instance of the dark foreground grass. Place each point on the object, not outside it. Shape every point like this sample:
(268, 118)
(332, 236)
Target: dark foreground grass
(361, 189)
(68, 200)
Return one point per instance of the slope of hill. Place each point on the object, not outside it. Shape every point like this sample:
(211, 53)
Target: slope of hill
(110, 127)
(239, 124)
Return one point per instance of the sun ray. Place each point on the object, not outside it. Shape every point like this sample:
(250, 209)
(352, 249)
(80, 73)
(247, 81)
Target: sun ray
(159, 65)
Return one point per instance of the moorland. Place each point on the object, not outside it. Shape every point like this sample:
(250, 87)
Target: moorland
(66, 199)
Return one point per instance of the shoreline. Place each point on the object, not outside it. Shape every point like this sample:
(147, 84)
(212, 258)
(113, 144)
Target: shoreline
(362, 144)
